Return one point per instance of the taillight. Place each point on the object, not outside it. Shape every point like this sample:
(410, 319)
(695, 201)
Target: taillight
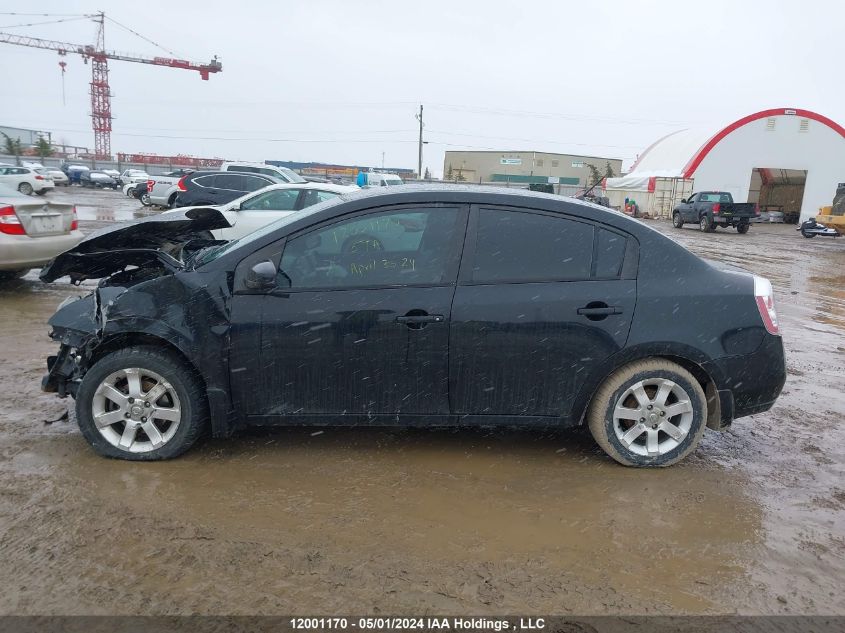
(765, 298)
(716, 208)
(9, 222)
(74, 223)
(756, 209)
(181, 184)
(150, 185)
(39, 177)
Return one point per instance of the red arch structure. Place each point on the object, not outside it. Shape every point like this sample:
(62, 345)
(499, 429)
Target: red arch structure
(705, 149)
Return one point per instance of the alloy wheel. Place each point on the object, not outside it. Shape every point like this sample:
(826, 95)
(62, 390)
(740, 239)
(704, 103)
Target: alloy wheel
(136, 410)
(653, 416)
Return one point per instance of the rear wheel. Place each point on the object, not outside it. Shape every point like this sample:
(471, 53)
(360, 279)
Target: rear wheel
(25, 188)
(677, 220)
(649, 413)
(171, 202)
(705, 224)
(141, 404)
(743, 227)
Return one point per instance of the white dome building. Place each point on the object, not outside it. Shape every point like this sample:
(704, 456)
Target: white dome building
(784, 158)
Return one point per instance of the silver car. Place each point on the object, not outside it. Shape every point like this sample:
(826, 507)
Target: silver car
(32, 232)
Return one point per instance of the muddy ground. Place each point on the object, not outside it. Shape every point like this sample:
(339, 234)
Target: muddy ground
(469, 521)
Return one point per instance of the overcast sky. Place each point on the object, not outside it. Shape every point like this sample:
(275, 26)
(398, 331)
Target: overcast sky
(340, 81)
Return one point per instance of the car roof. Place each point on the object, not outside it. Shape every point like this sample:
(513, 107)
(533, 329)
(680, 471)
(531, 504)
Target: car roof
(320, 186)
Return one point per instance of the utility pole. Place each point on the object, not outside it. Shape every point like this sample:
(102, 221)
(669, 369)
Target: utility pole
(419, 117)
(382, 161)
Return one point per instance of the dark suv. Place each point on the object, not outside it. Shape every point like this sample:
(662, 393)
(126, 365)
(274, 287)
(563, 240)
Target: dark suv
(218, 187)
(432, 305)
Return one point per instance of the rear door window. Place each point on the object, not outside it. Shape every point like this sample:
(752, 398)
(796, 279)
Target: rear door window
(518, 246)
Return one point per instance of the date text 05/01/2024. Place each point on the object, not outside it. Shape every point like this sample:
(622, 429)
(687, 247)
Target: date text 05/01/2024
(418, 623)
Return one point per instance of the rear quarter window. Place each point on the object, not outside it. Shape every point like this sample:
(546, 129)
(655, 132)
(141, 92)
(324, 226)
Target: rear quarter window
(610, 253)
(517, 246)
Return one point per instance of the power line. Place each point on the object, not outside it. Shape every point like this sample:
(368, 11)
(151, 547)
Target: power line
(146, 39)
(530, 140)
(14, 26)
(551, 115)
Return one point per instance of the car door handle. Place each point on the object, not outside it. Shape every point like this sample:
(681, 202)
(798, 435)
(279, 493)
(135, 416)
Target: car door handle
(599, 311)
(417, 321)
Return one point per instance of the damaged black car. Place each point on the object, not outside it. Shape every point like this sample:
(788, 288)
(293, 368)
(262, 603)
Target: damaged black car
(430, 305)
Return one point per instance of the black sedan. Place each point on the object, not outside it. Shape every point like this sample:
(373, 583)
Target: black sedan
(436, 306)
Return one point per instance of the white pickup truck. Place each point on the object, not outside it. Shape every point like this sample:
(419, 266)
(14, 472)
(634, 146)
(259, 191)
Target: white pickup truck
(162, 189)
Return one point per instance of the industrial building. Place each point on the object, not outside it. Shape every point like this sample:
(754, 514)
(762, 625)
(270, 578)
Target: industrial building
(785, 158)
(525, 167)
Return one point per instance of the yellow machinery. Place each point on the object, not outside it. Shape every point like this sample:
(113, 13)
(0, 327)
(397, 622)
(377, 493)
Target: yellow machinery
(834, 215)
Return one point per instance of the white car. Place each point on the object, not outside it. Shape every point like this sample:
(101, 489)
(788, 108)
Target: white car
(25, 180)
(282, 173)
(32, 232)
(59, 177)
(133, 177)
(259, 208)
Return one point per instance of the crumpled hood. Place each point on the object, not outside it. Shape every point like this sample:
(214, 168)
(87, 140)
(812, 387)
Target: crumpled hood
(134, 243)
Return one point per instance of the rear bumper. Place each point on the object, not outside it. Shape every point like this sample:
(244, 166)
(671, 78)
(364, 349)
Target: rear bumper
(751, 382)
(23, 251)
(732, 220)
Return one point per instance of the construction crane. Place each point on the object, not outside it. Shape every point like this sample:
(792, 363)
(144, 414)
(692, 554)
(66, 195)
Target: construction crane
(101, 117)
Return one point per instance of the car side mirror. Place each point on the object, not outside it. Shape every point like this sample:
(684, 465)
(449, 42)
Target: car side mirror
(262, 276)
(683, 200)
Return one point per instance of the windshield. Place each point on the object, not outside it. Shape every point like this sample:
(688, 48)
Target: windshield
(291, 175)
(218, 251)
(391, 182)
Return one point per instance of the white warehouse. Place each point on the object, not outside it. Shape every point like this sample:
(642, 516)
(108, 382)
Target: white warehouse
(783, 159)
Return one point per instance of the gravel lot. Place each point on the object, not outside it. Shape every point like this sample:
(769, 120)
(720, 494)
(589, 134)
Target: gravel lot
(469, 521)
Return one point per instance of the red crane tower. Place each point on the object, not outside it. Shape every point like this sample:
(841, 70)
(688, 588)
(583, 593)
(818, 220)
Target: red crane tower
(101, 116)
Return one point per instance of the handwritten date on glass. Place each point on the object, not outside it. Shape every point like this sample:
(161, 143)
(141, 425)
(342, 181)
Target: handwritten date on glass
(363, 268)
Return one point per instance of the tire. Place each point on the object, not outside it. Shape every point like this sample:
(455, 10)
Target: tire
(677, 220)
(25, 188)
(610, 431)
(182, 396)
(809, 236)
(743, 228)
(130, 193)
(171, 201)
(145, 199)
(705, 224)
(41, 193)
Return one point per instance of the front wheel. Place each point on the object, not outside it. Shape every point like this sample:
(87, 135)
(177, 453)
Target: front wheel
(743, 228)
(145, 199)
(677, 220)
(141, 404)
(649, 413)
